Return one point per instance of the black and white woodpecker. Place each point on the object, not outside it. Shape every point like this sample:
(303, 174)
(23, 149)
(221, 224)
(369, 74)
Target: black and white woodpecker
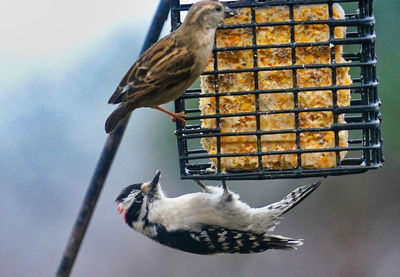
(209, 222)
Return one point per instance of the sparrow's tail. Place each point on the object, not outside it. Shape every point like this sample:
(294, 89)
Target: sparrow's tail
(116, 116)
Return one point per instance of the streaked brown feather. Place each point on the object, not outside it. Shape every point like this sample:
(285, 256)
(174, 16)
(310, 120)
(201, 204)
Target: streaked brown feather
(161, 64)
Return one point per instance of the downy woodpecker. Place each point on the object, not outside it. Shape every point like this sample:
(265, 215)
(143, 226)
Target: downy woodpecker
(209, 222)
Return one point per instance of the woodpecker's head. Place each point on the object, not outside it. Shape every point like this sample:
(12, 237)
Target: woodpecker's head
(133, 201)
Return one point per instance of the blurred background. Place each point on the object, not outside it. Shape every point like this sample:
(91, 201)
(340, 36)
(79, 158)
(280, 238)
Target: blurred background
(60, 62)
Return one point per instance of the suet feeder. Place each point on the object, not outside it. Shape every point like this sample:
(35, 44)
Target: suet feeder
(291, 91)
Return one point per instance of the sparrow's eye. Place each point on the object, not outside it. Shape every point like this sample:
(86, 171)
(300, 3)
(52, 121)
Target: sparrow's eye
(218, 8)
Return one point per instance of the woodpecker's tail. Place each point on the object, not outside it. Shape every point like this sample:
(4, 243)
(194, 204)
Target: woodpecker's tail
(269, 216)
(291, 200)
(296, 196)
(116, 116)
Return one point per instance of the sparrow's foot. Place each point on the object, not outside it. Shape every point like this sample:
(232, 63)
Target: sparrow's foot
(174, 116)
(179, 116)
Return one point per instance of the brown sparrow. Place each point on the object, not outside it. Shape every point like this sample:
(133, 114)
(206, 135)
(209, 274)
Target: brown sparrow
(171, 65)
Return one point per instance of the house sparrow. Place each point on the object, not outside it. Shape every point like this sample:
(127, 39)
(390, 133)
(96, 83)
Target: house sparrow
(171, 65)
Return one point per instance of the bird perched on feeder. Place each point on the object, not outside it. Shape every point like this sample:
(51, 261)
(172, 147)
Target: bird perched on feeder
(163, 72)
(209, 222)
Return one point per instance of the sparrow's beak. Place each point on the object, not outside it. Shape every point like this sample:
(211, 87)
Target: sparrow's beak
(229, 12)
(154, 182)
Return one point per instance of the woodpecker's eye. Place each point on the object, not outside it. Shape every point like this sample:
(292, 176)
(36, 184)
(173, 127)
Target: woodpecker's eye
(218, 8)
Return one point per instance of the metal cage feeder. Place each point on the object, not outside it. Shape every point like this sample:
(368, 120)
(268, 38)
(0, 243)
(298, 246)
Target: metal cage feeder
(360, 120)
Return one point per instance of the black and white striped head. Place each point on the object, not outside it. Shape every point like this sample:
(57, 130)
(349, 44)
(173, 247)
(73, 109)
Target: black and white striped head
(134, 199)
(208, 14)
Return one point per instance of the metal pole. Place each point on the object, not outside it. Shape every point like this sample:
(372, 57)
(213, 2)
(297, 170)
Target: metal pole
(103, 166)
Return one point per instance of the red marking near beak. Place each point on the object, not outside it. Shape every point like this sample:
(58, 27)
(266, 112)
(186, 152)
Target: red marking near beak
(120, 208)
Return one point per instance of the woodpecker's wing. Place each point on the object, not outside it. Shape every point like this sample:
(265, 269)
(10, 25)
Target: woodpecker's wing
(210, 240)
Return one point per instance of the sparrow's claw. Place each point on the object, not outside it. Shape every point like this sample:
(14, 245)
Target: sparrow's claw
(179, 116)
(174, 116)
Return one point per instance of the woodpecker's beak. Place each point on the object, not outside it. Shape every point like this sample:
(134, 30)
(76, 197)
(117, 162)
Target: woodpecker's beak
(155, 180)
(229, 12)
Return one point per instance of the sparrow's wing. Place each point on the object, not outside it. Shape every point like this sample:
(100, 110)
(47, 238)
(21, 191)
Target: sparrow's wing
(162, 66)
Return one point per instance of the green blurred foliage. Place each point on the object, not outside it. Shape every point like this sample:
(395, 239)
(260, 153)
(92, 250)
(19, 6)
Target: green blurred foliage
(387, 47)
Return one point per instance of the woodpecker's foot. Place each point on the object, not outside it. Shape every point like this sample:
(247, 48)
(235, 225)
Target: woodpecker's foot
(225, 187)
(226, 196)
(203, 187)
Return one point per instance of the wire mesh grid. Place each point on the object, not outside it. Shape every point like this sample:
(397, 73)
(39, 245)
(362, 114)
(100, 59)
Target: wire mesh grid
(354, 128)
